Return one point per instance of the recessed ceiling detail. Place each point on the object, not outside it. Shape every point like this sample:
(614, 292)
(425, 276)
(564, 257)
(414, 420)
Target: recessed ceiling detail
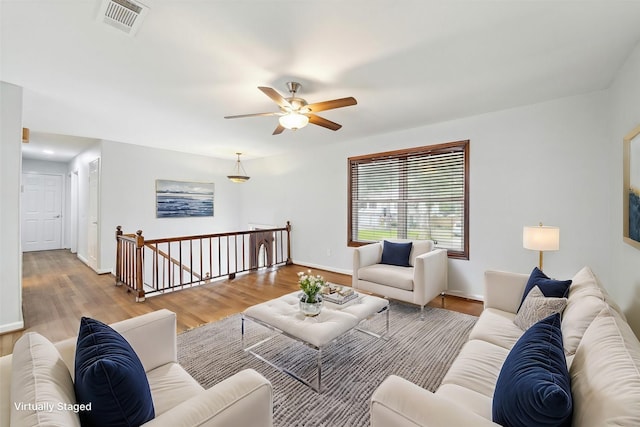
(124, 15)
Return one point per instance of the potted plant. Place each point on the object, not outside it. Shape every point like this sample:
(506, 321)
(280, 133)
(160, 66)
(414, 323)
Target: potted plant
(311, 298)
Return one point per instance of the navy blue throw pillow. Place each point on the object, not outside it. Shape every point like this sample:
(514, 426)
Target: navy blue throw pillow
(534, 387)
(549, 287)
(110, 377)
(396, 253)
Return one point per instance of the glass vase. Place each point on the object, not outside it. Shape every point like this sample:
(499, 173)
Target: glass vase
(310, 309)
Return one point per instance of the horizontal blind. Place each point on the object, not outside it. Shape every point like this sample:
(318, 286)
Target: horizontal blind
(415, 194)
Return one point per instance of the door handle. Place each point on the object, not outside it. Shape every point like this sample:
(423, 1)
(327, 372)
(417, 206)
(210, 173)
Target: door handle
(57, 216)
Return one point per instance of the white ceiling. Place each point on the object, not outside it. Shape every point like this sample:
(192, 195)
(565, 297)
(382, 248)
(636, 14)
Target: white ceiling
(408, 63)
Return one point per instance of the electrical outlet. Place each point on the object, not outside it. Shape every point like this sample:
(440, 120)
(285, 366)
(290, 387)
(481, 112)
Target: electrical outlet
(328, 251)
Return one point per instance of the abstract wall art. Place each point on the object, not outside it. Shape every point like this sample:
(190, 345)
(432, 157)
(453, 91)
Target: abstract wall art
(631, 182)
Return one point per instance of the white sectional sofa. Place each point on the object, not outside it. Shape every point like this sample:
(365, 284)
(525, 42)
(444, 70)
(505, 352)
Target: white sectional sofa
(243, 400)
(601, 351)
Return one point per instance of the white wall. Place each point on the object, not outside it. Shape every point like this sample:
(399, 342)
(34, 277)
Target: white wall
(128, 177)
(545, 162)
(625, 259)
(10, 178)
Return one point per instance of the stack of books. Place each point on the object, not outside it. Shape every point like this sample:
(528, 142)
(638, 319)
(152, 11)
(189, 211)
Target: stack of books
(338, 294)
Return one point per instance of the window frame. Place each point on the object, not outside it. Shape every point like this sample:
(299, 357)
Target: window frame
(458, 146)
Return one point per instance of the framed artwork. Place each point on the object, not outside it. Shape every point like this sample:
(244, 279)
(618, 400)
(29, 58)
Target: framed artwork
(179, 199)
(631, 183)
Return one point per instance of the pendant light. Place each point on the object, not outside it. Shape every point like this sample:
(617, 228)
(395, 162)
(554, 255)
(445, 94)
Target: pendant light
(238, 175)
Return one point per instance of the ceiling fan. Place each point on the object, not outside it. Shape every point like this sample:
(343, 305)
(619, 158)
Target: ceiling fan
(295, 113)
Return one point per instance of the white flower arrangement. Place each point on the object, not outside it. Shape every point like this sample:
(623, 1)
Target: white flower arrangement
(311, 285)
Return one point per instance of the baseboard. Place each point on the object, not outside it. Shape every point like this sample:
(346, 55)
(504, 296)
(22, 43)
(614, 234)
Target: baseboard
(464, 295)
(98, 271)
(322, 267)
(11, 327)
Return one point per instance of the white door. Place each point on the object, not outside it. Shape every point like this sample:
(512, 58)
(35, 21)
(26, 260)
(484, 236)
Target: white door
(94, 224)
(41, 212)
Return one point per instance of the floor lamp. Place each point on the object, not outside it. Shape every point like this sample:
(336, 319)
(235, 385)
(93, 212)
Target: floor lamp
(541, 238)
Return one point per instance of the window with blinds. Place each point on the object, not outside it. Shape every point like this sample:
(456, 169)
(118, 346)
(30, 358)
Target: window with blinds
(418, 193)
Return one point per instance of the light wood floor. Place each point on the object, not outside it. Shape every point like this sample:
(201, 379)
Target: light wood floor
(58, 289)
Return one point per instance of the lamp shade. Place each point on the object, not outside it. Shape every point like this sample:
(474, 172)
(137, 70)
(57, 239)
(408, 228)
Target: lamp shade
(541, 238)
(294, 121)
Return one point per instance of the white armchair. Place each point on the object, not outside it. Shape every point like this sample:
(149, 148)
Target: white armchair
(422, 281)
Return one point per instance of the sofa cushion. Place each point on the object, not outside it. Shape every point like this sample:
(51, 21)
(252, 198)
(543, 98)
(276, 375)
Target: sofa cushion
(587, 298)
(580, 312)
(110, 376)
(41, 384)
(533, 388)
(549, 287)
(472, 400)
(477, 367)
(605, 374)
(394, 253)
(585, 301)
(536, 307)
(388, 275)
(496, 327)
(584, 280)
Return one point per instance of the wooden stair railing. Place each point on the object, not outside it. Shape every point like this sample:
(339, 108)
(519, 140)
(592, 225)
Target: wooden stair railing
(162, 265)
(174, 261)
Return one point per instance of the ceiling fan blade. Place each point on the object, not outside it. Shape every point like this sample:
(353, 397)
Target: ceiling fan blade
(321, 121)
(278, 130)
(328, 105)
(251, 115)
(276, 97)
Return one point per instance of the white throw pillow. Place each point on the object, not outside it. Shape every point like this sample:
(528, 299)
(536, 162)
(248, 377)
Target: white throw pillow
(536, 307)
(41, 386)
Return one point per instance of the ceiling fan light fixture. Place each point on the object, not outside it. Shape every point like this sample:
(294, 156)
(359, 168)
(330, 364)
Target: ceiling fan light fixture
(294, 121)
(239, 175)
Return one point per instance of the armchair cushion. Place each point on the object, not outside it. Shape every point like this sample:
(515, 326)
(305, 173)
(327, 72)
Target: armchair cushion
(388, 275)
(110, 377)
(549, 287)
(396, 253)
(171, 385)
(418, 248)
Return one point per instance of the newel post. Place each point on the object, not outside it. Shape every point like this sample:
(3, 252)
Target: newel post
(289, 261)
(139, 279)
(118, 256)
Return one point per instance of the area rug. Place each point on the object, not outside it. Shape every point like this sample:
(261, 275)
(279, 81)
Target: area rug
(352, 367)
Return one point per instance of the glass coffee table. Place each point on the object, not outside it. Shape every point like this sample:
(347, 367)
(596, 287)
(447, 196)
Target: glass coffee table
(282, 315)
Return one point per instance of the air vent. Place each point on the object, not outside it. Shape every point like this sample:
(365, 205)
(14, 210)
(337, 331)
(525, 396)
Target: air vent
(124, 15)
